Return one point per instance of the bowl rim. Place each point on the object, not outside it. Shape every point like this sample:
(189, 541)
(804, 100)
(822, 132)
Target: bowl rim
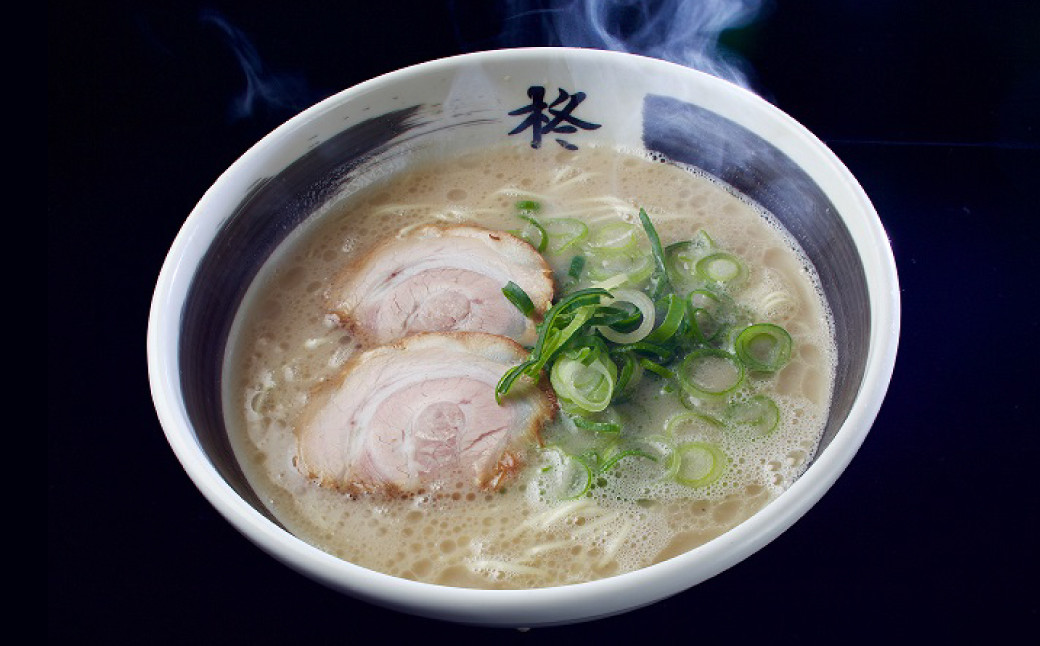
(548, 605)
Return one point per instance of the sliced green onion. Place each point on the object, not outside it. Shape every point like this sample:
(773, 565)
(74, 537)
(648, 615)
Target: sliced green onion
(587, 424)
(704, 328)
(576, 267)
(659, 280)
(529, 206)
(764, 347)
(718, 305)
(656, 368)
(629, 374)
(663, 353)
(709, 313)
(511, 375)
(697, 464)
(656, 445)
(760, 414)
(556, 339)
(569, 304)
(681, 257)
(543, 237)
(615, 237)
(709, 300)
(570, 477)
(675, 310)
(620, 280)
(710, 373)
(590, 458)
(621, 318)
(646, 309)
(722, 268)
(617, 457)
(517, 296)
(564, 233)
(584, 378)
(680, 425)
(573, 312)
(635, 268)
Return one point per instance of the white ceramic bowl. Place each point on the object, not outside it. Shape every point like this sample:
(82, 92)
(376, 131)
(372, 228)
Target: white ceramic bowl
(465, 101)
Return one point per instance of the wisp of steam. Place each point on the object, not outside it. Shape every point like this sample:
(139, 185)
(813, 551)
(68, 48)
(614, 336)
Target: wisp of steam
(687, 32)
(278, 92)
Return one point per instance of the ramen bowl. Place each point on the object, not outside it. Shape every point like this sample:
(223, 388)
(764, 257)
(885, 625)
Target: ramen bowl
(549, 98)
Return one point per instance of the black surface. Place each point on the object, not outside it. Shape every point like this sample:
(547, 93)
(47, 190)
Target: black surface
(931, 532)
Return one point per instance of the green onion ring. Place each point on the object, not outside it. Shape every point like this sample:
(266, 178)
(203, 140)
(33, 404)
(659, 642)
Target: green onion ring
(690, 373)
(764, 347)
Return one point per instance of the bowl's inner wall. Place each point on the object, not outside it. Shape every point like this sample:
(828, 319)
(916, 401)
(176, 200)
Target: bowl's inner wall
(679, 131)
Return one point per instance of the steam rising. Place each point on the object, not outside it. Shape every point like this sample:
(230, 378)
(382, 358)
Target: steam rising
(687, 32)
(276, 92)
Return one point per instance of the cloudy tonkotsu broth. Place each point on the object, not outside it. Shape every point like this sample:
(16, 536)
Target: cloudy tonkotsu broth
(285, 344)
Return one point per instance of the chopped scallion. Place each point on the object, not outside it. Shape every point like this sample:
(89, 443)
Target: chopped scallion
(723, 269)
(620, 318)
(691, 424)
(760, 414)
(569, 477)
(656, 368)
(709, 373)
(697, 464)
(764, 347)
(708, 314)
(543, 237)
(646, 309)
(675, 309)
(528, 206)
(599, 427)
(518, 297)
(681, 258)
(584, 378)
(617, 457)
(636, 268)
(629, 373)
(576, 267)
(564, 233)
(572, 312)
(612, 238)
(663, 353)
(659, 283)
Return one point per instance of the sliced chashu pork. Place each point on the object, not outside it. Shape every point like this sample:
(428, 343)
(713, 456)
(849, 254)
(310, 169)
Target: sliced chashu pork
(442, 279)
(419, 412)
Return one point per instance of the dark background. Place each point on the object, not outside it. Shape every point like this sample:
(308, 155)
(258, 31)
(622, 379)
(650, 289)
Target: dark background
(930, 534)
